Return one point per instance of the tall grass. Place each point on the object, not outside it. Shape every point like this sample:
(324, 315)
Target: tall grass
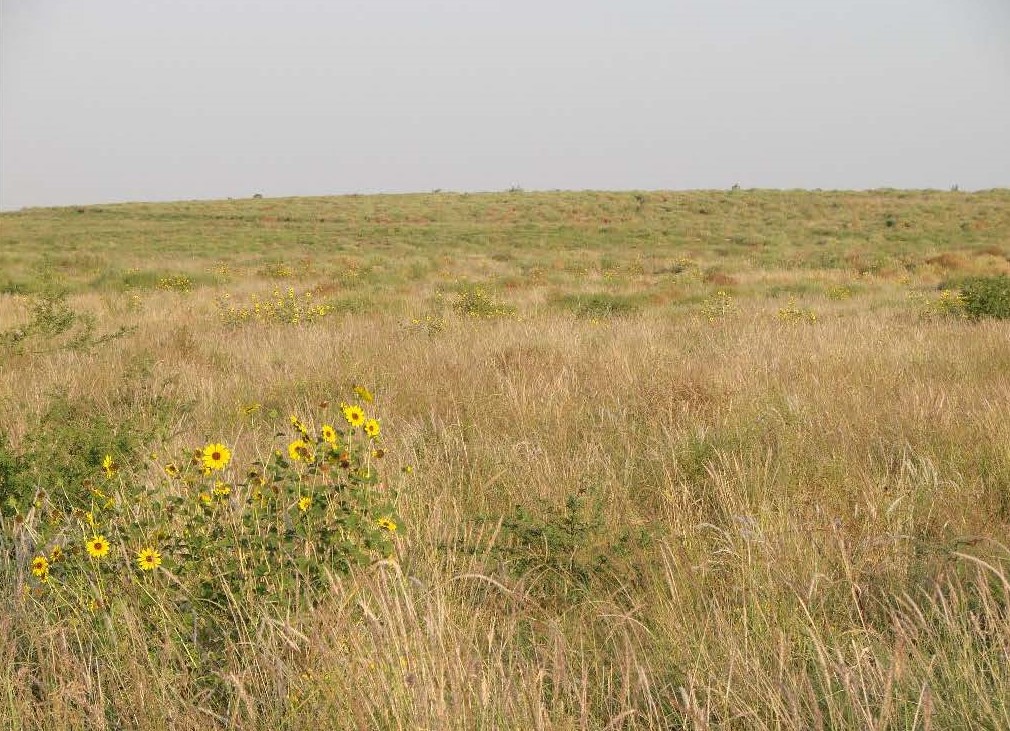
(682, 517)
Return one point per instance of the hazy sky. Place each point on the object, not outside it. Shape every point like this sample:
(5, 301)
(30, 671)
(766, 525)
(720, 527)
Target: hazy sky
(112, 100)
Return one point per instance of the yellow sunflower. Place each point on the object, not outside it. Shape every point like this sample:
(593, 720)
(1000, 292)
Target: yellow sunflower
(222, 488)
(355, 415)
(98, 546)
(206, 498)
(148, 559)
(372, 428)
(40, 566)
(56, 554)
(329, 434)
(171, 470)
(216, 457)
(110, 466)
(298, 450)
(304, 503)
(364, 394)
(387, 524)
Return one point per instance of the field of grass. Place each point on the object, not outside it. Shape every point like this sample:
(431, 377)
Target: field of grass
(707, 460)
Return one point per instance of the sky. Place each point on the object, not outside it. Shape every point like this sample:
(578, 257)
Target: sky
(146, 100)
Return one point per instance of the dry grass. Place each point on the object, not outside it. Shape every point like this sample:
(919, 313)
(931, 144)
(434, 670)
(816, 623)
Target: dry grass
(825, 505)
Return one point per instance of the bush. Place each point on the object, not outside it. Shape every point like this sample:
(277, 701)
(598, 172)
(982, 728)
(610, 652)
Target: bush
(474, 301)
(986, 297)
(600, 305)
(54, 325)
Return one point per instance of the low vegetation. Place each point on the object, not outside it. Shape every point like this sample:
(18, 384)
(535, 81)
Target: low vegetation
(507, 461)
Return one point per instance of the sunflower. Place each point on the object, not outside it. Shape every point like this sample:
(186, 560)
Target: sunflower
(40, 566)
(148, 559)
(110, 466)
(298, 450)
(299, 425)
(216, 457)
(56, 554)
(387, 524)
(206, 498)
(304, 503)
(364, 394)
(171, 470)
(222, 488)
(98, 546)
(354, 415)
(372, 428)
(329, 434)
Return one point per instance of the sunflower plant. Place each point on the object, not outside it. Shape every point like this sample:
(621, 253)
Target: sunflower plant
(213, 540)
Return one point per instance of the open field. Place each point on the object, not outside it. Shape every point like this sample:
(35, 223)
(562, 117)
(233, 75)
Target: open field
(655, 461)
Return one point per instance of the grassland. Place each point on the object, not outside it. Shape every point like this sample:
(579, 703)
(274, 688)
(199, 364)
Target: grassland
(660, 460)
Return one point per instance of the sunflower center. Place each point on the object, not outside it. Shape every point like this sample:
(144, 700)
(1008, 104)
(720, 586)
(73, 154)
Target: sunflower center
(216, 456)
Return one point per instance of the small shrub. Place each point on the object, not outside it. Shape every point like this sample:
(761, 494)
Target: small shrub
(281, 307)
(476, 302)
(570, 551)
(986, 297)
(54, 325)
(794, 313)
(719, 305)
(600, 305)
(176, 283)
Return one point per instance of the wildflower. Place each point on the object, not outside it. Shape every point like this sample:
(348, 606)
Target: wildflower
(364, 394)
(329, 434)
(40, 566)
(171, 470)
(354, 415)
(148, 559)
(304, 503)
(98, 546)
(206, 498)
(298, 450)
(222, 488)
(216, 457)
(387, 524)
(56, 553)
(299, 425)
(372, 428)
(110, 466)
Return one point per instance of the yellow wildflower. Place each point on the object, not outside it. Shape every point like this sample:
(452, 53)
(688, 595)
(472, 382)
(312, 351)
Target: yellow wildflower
(148, 559)
(329, 434)
(97, 546)
(40, 566)
(216, 457)
(372, 428)
(355, 415)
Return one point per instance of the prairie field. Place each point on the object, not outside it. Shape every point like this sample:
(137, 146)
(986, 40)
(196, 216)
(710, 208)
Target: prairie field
(660, 460)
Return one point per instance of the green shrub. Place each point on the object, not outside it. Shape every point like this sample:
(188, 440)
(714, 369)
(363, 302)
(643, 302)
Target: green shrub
(569, 552)
(986, 297)
(476, 302)
(601, 304)
(54, 325)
